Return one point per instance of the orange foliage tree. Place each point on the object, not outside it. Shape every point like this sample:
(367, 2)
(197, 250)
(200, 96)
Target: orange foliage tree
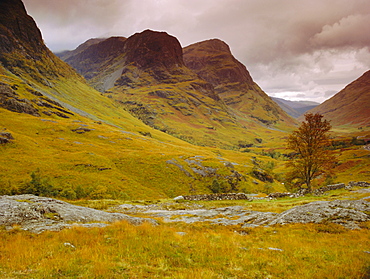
(311, 156)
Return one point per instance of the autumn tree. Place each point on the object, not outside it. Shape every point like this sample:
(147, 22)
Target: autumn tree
(311, 157)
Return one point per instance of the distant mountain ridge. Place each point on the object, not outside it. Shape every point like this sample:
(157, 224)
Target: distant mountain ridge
(350, 106)
(174, 89)
(64, 55)
(295, 108)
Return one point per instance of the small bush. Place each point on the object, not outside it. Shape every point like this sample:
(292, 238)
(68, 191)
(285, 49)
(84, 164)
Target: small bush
(215, 187)
(39, 186)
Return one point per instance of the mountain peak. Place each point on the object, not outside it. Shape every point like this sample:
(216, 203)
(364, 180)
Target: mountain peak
(213, 61)
(216, 44)
(19, 30)
(153, 49)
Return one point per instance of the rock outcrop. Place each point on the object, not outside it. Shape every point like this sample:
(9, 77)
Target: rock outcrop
(348, 213)
(37, 214)
(150, 50)
(343, 212)
(10, 100)
(20, 32)
(22, 49)
(6, 137)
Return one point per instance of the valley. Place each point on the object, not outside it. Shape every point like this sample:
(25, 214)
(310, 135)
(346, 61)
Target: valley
(102, 146)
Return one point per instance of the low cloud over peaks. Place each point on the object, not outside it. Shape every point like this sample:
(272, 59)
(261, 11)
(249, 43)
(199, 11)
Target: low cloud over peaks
(351, 31)
(287, 43)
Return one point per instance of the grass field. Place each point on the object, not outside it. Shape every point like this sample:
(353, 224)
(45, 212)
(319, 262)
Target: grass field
(178, 250)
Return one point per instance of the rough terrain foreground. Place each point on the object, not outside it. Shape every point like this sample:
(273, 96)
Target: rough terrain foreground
(37, 214)
(348, 213)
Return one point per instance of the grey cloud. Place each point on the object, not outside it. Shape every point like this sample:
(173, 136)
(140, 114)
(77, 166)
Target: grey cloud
(350, 31)
(300, 95)
(287, 45)
(65, 24)
(329, 93)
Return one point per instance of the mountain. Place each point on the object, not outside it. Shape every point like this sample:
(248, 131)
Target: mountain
(64, 55)
(61, 137)
(150, 75)
(295, 108)
(350, 106)
(213, 61)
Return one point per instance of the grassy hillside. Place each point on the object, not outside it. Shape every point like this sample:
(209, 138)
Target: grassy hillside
(72, 141)
(101, 150)
(350, 106)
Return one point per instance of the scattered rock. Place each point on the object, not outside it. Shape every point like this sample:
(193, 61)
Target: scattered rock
(217, 197)
(279, 195)
(275, 249)
(6, 137)
(347, 213)
(177, 164)
(81, 130)
(67, 244)
(327, 188)
(358, 183)
(262, 175)
(37, 214)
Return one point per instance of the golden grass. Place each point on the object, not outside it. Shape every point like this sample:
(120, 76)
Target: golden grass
(126, 251)
(115, 161)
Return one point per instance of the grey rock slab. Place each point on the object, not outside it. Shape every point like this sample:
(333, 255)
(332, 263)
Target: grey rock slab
(345, 212)
(36, 214)
(348, 213)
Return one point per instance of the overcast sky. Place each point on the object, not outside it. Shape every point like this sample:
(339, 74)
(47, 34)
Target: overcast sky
(293, 49)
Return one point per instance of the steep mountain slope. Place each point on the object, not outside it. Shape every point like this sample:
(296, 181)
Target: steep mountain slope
(64, 55)
(295, 108)
(157, 86)
(93, 61)
(350, 106)
(212, 60)
(58, 136)
(34, 80)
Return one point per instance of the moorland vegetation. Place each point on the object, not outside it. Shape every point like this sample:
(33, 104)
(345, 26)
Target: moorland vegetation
(161, 131)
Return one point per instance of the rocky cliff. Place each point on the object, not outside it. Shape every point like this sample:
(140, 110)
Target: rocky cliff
(153, 50)
(18, 31)
(22, 50)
